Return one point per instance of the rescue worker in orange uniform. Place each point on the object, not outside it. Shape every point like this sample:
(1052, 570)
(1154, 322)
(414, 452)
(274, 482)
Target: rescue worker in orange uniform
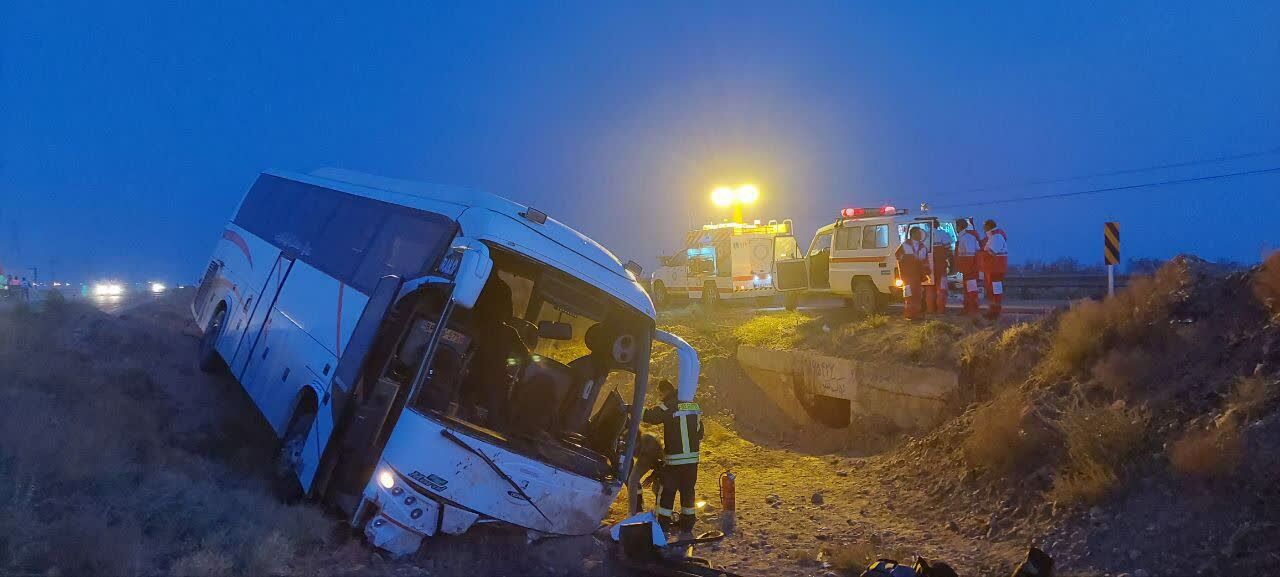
(995, 263)
(935, 297)
(968, 245)
(912, 260)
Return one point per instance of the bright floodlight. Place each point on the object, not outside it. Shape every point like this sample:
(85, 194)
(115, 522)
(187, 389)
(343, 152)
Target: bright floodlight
(747, 193)
(157, 287)
(722, 196)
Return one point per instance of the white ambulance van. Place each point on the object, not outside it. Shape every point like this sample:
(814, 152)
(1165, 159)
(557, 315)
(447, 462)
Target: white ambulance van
(432, 357)
(853, 257)
(727, 261)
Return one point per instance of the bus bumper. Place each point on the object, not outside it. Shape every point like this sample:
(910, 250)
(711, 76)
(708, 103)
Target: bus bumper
(397, 518)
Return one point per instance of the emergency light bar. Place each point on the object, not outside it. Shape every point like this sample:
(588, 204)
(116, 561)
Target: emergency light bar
(888, 210)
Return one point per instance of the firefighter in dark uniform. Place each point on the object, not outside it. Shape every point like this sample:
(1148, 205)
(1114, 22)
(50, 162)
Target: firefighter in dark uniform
(682, 435)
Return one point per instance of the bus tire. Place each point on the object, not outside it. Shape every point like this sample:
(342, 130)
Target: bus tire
(208, 358)
(660, 296)
(710, 296)
(865, 299)
(294, 441)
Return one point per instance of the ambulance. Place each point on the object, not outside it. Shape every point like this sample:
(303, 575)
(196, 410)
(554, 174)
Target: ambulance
(854, 257)
(726, 261)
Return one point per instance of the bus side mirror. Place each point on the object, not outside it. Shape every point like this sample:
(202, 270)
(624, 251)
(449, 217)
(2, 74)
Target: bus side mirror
(474, 267)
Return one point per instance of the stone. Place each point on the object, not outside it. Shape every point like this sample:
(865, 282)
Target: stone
(817, 499)
(842, 473)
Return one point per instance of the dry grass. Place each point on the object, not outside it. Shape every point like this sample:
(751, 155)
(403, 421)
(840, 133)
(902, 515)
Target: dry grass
(1091, 328)
(1214, 452)
(107, 470)
(1099, 440)
(1250, 396)
(773, 331)
(1123, 372)
(854, 558)
(1266, 283)
(1002, 434)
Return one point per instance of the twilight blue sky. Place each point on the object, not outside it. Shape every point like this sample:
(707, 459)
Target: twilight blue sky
(129, 131)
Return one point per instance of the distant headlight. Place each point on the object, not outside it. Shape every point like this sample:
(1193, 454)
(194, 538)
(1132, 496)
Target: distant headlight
(158, 287)
(108, 289)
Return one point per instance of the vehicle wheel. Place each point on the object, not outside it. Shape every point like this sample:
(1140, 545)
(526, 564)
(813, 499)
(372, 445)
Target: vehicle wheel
(208, 358)
(866, 298)
(660, 296)
(791, 300)
(289, 460)
(710, 297)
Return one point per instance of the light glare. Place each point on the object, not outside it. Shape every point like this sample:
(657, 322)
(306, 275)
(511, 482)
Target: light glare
(722, 196)
(747, 193)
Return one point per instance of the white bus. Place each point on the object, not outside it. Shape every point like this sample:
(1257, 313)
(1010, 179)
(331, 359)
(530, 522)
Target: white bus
(432, 357)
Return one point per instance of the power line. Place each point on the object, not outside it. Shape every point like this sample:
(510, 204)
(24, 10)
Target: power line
(1123, 171)
(1111, 188)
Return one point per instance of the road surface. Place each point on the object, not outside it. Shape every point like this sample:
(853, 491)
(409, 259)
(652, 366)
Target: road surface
(110, 304)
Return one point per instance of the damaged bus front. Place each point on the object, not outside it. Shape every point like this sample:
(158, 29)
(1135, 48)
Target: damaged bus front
(501, 381)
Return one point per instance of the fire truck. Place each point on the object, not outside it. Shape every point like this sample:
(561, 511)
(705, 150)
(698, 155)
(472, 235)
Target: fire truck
(854, 257)
(726, 261)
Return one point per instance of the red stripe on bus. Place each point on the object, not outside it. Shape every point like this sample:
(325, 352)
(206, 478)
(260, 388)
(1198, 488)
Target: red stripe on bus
(234, 238)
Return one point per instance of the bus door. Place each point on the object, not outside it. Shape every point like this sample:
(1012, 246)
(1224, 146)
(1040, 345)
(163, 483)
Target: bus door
(250, 339)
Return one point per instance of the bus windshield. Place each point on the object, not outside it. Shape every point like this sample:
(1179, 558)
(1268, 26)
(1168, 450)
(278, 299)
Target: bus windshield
(544, 364)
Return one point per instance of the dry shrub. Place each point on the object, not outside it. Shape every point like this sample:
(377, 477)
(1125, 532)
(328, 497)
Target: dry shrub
(929, 341)
(854, 558)
(1099, 440)
(1266, 283)
(1123, 372)
(1003, 433)
(1090, 328)
(1250, 395)
(1208, 453)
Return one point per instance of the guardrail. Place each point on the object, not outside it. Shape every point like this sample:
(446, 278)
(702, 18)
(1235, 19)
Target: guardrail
(1091, 284)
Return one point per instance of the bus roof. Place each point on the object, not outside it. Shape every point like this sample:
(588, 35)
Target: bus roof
(453, 201)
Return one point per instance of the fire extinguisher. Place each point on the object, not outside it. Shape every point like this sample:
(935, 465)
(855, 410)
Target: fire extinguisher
(728, 502)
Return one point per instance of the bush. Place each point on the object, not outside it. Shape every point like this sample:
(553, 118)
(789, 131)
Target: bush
(1266, 283)
(1099, 440)
(1090, 328)
(1002, 433)
(1207, 453)
(1123, 372)
(929, 340)
(1250, 396)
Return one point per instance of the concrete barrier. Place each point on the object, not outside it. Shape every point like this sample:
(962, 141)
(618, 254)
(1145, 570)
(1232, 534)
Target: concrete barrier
(910, 397)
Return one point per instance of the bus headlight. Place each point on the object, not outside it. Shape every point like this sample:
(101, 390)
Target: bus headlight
(386, 479)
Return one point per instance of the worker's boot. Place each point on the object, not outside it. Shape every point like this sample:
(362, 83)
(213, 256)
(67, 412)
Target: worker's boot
(664, 521)
(685, 524)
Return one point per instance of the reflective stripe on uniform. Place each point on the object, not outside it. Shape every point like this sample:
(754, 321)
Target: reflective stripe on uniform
(688, 407)
(688, 511)
(682, 458)
(663, 512)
